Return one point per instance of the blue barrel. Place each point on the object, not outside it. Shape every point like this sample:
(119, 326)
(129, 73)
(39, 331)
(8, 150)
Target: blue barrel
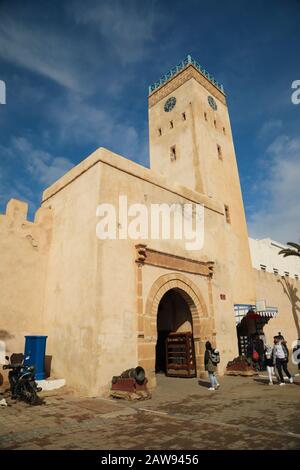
(35, 349)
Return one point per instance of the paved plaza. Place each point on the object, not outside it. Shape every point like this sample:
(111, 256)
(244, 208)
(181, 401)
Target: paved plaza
(245, 413)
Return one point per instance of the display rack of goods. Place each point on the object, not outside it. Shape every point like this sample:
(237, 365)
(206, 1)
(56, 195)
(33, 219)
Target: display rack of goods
(180, 355)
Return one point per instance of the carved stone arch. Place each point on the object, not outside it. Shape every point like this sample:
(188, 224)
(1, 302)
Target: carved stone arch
(190, 292)
(201, 321)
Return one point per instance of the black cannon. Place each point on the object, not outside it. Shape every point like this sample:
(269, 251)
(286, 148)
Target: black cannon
(137, 373)
(131, 384)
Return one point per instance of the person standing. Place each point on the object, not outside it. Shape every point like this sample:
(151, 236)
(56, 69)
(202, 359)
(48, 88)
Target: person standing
(281, 358)
(211, 359)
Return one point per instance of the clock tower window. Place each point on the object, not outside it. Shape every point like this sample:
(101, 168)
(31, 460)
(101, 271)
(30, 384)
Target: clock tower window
(219, 152)
(227, 214)
(173, 155)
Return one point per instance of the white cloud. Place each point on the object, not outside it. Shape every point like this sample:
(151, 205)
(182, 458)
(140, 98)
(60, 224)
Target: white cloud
(128, 27)
(81, 123)
(28, 166)
(115, 32)
(17, 190)
(279, 212)
(41, 165)
(270, 127)
(65, 60)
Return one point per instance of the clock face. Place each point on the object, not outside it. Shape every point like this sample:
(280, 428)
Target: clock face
(212, 103)
(169, 104)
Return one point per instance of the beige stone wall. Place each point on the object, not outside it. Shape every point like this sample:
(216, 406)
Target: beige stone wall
(93, 292)
(187, 169)
(74, 283)
(94, 300)
(222, 183)
(214, 249)
(23, 251)
(283, 293)
(121, 291)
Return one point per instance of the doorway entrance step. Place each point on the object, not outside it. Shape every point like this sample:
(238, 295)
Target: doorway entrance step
(51, 384)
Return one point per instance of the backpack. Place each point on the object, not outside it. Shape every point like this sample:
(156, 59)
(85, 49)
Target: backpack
(215, 356)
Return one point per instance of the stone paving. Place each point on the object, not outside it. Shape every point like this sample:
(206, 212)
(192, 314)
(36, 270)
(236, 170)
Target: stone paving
(245, 413)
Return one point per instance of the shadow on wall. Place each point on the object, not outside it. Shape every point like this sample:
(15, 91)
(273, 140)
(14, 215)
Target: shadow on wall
(294, 299)
(5, 335)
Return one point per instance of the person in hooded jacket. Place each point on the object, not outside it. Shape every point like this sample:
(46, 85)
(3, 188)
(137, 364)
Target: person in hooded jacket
(211, 365)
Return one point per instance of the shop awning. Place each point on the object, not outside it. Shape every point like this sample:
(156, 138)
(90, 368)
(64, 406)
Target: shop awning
(241, 310)
(269, 312)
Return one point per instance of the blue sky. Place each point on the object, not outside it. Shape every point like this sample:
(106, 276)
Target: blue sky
(77, 76)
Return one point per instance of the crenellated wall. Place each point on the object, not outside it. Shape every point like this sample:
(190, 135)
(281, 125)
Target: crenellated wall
(23, 261)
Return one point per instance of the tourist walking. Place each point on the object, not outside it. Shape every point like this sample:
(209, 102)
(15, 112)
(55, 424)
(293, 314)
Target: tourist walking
(211, 359)
(269, 363)
(281, 358)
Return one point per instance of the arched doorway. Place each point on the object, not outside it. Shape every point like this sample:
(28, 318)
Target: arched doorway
(173, 316)
(202, 323)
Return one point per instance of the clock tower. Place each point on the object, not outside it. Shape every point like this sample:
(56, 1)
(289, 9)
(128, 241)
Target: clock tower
(190, 135)
(191, 144)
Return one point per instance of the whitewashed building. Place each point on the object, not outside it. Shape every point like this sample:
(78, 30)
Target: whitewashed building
(265, 257)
